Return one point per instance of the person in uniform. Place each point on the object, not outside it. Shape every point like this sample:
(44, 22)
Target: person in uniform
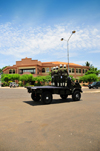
(65, 75)
(60, 75)
(56, 76)
(52, 75)
(68, 82)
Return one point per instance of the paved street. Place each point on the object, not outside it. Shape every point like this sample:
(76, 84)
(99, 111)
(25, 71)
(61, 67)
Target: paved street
(61, 126)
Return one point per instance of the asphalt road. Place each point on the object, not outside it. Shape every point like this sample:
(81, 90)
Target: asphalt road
(61, 126)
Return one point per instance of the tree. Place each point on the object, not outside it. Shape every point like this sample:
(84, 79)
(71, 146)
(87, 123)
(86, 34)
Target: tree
(27, 78)
(89, 78)
(1, 70)
(6, 77)
(30, 78)
(92, 71)
(73, 79)
(40, 79)
(16, 76)
(87, 64)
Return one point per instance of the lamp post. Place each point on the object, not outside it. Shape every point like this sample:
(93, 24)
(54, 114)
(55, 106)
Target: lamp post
(68, 47)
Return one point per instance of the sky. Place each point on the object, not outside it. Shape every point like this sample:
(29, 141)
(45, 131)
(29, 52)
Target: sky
(34, 28)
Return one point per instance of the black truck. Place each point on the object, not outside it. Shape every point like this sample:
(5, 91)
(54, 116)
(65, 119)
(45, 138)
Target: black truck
(59, 86)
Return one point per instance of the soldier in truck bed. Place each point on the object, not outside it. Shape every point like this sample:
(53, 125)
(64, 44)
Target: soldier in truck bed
(69, 82)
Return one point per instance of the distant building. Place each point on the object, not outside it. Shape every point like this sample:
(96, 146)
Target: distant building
(38, 68)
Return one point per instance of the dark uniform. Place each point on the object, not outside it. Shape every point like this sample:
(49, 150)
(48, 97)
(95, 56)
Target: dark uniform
(63, 74)
(59, 76)
(52, 75)
(56, 77)
(69, 82)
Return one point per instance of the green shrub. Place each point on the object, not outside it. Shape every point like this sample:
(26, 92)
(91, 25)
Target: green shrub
(98, 78)
(9, 82)
(73, 79)
(20, 83)
(89, 78)
(37, 84)
(5, 84)
(27, 84)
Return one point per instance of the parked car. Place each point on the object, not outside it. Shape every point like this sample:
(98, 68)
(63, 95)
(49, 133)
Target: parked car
(13, 84)
(94, 85)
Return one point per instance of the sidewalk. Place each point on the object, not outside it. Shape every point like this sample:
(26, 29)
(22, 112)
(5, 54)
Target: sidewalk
(12, 88)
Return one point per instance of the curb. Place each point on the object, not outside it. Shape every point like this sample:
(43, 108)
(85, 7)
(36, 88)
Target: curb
(12, 88)
(91, 91)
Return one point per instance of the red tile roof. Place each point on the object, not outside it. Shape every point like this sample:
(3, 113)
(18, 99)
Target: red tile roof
(58, 62)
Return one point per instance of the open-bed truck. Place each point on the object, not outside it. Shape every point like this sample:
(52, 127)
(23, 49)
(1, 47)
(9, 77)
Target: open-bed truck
(44, 93)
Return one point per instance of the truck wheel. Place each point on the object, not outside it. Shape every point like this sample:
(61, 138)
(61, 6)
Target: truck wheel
(35, 98)
(63, 96)
(76, 96)
(46, 97)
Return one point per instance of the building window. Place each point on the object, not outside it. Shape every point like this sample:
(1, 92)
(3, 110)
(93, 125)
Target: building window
(13, 70)
(79, 70)
(20, 71)
(43, 70)
(51, 68)
(10, 71)
(32, 71)
(83, 70)
(72, 70)
(69, 70)
(47, 69)
(76, 70)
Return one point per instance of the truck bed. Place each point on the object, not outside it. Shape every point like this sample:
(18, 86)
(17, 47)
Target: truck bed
(46, 87)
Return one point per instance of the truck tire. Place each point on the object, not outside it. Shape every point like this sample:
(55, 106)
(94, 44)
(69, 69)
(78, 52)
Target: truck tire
(63, 96)
(46, 97)
(35, 98)
(76, 96)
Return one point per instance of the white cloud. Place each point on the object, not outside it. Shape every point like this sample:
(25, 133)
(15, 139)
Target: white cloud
(95, 51)
(22, 42)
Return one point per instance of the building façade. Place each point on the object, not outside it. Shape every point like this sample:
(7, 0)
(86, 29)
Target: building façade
(38, 68)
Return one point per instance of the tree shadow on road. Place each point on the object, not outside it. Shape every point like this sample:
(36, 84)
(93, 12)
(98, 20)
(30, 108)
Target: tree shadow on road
(54, 101)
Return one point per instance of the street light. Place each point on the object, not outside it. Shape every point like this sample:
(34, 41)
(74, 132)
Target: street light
(68, 47)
